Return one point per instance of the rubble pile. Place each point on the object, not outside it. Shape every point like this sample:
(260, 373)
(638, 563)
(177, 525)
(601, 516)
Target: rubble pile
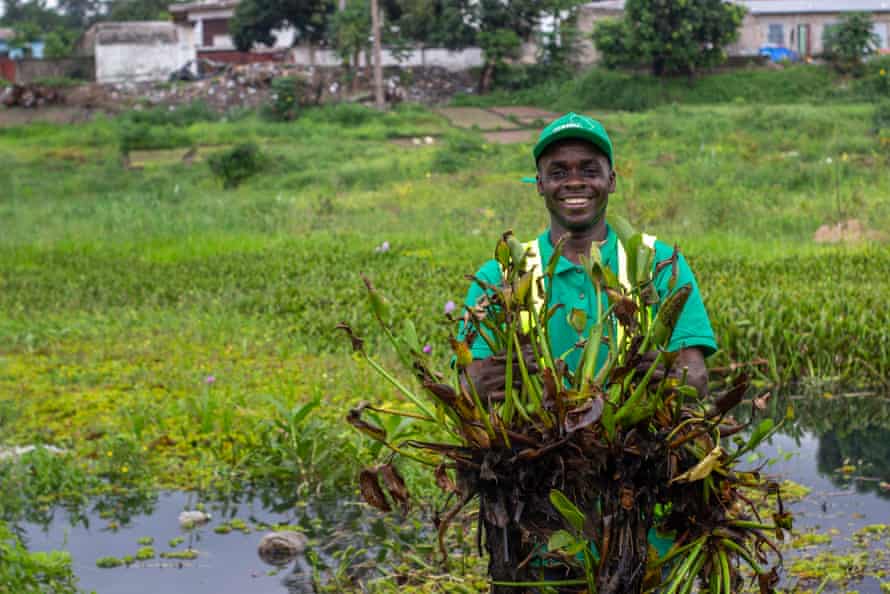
(30, 96)
(228, 86)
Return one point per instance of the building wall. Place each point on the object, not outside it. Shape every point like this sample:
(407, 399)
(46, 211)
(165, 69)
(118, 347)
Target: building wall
(753, 34)
(454, 61)
(139, 62)
(587, 19)
(31, 70)
(755, 31)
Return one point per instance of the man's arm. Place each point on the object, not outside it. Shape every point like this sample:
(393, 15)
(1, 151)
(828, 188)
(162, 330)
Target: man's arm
(692, 358)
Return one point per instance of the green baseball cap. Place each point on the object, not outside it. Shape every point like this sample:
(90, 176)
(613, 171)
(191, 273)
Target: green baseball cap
(573, 125)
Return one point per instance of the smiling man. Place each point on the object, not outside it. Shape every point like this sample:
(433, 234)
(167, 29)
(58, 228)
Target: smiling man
(575, 177)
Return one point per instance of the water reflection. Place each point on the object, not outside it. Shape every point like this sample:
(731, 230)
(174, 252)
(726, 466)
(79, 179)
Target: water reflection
(853, 433)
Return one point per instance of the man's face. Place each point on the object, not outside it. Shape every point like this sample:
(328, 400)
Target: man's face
(575, 179)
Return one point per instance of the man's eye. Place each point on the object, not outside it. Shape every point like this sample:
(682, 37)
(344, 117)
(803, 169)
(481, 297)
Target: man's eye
(558, 174)
(591, 172)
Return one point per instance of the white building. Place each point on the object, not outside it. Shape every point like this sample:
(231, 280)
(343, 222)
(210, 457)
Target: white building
(137, 51)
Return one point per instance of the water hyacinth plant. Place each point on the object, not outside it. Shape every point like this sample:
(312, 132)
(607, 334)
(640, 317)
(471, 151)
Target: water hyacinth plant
(574, 470)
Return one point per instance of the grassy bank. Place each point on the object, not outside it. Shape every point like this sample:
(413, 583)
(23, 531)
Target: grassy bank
(167, 332)
(599, 88)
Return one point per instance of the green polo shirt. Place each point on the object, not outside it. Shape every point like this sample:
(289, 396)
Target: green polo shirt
(573, 289)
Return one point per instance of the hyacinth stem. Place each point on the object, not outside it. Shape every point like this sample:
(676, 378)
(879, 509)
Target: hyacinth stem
(401, 388)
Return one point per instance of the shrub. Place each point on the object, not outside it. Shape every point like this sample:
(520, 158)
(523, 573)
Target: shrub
(610, 36)
(180, 116)
(24, 572)
(289, 94)
(142, 136)
(874, 84)
(849, 41)
(344, 114)
(58, 82)
(461, 151)
(236, 164)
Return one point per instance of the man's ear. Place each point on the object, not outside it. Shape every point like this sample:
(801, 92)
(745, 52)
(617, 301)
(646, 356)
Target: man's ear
(612, 180)
(538, 184)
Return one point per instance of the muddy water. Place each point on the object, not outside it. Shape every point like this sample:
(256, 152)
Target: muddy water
(838, 447)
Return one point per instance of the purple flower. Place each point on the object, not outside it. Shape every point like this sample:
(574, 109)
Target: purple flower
(382, 248)
(449, 306)
(427, 349)
(210, 379)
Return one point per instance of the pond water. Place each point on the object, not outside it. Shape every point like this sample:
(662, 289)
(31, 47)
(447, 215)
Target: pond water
(839, 447)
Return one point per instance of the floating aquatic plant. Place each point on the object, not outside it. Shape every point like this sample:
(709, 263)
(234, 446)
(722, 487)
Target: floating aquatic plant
(573, 470)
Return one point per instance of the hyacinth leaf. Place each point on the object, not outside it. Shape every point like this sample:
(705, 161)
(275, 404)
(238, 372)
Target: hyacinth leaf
(523, 287)
(644, 261)
(622, 228)
(568, 510)
(462, 352)
(502, 252)
(662, 328)
(372, 493)
(355, 419)
(577, 319)
(358, 345)
(517, 251)
(379, 305)
(443, 481)
(395, 485)
(409, 335)
(701, 470)
(585, 415)
(564, 542)
(760, 433)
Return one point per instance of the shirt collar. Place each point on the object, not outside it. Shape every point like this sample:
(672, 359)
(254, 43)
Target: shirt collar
(607, 251)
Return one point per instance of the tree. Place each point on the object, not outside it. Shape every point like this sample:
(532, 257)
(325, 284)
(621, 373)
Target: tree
(849, 41)
(672, 36)
(138, 10)
(34, 12)
(255, 20)
(59, 43)
(350, 31)
(80, 14)
(497, 26)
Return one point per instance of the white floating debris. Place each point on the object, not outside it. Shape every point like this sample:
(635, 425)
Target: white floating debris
(18, 451)
(190, 519)
(280, 548)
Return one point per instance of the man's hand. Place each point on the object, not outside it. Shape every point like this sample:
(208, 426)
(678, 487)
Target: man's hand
(692, 359)
(488, 374)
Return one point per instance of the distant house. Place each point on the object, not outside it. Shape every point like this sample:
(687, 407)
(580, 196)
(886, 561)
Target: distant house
(137, 51)
(209, 22)
(31, 50)
(799, 25)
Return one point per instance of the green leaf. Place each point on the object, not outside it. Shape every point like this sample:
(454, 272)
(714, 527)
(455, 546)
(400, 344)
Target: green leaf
(760, 433)
(559, 540)
(568, 510)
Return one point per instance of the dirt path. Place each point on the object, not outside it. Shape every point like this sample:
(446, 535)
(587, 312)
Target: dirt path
(502, 125)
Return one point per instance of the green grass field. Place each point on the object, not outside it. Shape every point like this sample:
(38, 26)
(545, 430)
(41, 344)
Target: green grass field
(167, 330)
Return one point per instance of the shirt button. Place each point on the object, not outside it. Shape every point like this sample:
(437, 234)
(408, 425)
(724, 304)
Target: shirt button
(581, 296)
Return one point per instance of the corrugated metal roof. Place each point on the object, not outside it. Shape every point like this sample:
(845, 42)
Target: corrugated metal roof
(204, 5)
(134, 32)
(815, 6)
(781, 6)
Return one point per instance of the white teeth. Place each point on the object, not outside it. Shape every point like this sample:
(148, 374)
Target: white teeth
(575, 201)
